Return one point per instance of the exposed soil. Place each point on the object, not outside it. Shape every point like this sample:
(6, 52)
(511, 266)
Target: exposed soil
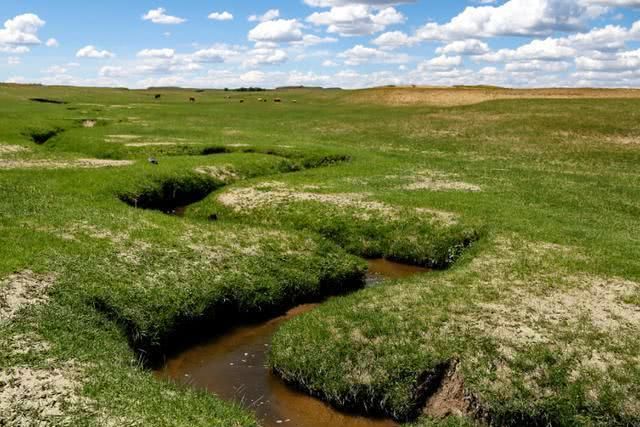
(449, 399)
(11, 149)
(40, 397)
(22, 290)
(61, 164)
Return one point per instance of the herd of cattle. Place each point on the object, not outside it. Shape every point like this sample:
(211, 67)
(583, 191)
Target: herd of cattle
(192, 99)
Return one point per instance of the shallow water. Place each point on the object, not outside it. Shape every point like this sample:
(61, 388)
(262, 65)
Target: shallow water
(234, 367)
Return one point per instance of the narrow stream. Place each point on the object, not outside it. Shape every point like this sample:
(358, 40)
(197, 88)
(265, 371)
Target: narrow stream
(234, 367)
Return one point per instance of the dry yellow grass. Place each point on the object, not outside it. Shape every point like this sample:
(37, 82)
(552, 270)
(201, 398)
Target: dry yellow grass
(449, 97)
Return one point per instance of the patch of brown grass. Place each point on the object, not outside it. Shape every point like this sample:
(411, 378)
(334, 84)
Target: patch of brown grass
(272, 194)
(449, 97)
(63, 164)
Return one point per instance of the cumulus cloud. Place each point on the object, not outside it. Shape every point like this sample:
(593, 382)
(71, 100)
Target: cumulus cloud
(55, 69)
(221, 16)
(616, 3)
(156, 53)
(313, 40)
(277, 31)
(159, 16)
(92, 52)
(440, 63)
(622, 61)
(464, 47)
(113, 72)
(269, 15)
(377, 3)
(265, 56)
(52, 43)
(393, 40)
(356, 19)
(514, 18)
(20, 32)
(359, 54)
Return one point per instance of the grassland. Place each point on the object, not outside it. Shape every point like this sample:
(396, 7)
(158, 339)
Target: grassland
(528, 206)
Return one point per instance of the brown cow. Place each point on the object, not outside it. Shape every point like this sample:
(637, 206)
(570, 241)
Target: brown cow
(192, 99)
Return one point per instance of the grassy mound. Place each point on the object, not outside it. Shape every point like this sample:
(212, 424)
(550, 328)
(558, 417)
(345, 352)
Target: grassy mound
(358, 224)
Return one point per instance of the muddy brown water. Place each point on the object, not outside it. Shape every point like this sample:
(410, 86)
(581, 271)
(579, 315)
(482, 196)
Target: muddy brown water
(233, 366)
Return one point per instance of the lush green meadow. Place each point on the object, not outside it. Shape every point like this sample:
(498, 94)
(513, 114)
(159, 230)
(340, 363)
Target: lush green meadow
(528, 208)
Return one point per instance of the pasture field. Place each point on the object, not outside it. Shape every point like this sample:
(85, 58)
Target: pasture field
(525, 203)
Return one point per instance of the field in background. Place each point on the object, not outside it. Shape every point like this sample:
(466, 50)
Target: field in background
(527, 202)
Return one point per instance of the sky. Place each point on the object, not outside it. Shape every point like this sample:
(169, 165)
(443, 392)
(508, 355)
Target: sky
(345, 43)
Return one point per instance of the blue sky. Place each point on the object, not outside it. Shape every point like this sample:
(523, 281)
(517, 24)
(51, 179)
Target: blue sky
(360, 43)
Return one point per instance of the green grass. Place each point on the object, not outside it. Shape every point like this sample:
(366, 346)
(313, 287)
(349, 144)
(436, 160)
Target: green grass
(537, 299)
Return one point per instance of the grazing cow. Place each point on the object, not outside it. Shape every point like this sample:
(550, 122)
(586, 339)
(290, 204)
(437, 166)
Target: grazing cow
(192, 99)
(277, 100)
(158, 96)
(241, 101)
(294, 101)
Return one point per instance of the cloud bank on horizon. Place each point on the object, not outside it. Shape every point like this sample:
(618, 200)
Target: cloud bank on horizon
(347, 43)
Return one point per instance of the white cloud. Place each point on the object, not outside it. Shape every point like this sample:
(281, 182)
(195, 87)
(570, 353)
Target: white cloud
(616, 3)
(622, 61)
(52, 43)
(20, 32)
(156, 53)
(394, 40)
(329, 63)
(280, 30)
(269, 15)
(221, 16)
(265, 56)
(538, 66)
(55, 69)
(113, 72)
(253, 77)
(215, 54)
(14, 49)
(355, 20)
(313, 40)
(548, 49)
(359, 54)
(92, 52)
(13, 60)
(376, 3)
(159, 16)
(464, 47)
(514, 18)
(441, 63)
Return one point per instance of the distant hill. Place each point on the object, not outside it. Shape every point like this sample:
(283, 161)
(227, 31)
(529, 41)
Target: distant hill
(307, 88)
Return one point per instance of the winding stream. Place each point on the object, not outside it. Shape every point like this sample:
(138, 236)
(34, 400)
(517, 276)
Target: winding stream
(234, 367)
